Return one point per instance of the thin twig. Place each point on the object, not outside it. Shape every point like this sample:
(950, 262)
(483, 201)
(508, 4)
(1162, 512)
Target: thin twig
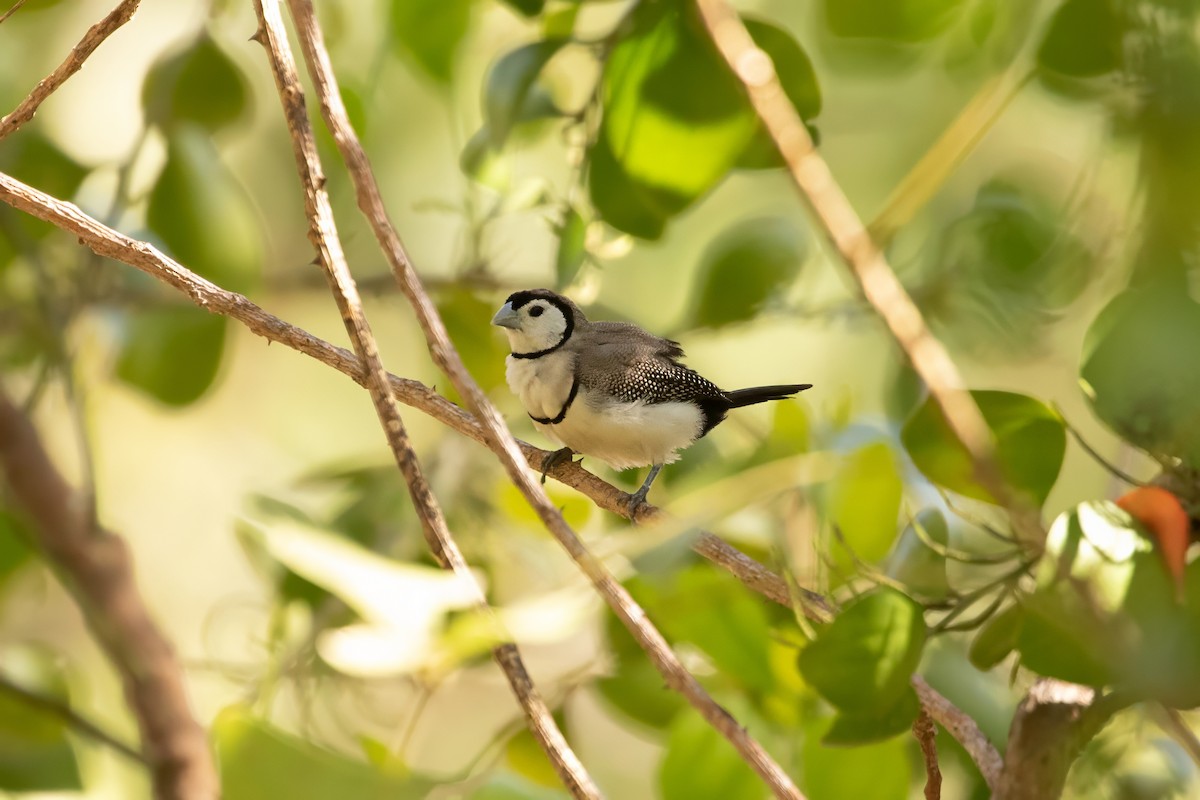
(324, 237)
(15, 8)
(79, 53)
(497, 434)
(98, 571)
(55, 707)
(852, 243)
(1171, 721)
(145, 257)
(926, 736)
(1112, 468)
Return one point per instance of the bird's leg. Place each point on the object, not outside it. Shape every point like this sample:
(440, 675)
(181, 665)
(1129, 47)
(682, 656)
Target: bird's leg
(639, 497)
(554, 459)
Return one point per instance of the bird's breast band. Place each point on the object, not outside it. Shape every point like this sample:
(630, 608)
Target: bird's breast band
(566, 406)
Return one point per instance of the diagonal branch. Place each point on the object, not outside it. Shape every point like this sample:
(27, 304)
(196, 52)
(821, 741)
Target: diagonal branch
(110, 243)
(79, 53)
(853, 245)
(498, 436)
(324, 237)
(98, 571)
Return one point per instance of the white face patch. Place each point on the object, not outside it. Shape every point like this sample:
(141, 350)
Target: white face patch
(541, 325)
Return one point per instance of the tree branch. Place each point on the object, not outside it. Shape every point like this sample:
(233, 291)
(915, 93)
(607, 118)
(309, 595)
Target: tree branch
(324, 237)
(854, 247)
(79, 53)
(98, 571)
(499, 439)
(926, 736)
(142, 256)
(64, 713)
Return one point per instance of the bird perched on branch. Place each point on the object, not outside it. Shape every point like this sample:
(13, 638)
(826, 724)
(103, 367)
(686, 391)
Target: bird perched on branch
(611, 390)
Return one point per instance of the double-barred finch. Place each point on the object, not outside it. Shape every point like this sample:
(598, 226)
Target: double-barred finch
(611, 390)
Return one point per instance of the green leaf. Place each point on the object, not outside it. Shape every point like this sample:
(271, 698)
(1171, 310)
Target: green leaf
(35, 751)
(864, 500)
(799, 81)
(875, 724)
(482, 162)
(864, 659)
(1083, 40)
(172, 354)
(508, 86)
(904, 21)
(699, 762)
(675, 120)
(745, 267)
(259, 760)
(197, 84)
(506, 786)
(997, 638)
(203, 215)
(14, 548)
(36, 160)
(1139, 378)
(879, 771)
(483, 351)
(429, 33)
(572, 248)
(528, 8)
(1030, 443)
(526, 757)
(917, 565)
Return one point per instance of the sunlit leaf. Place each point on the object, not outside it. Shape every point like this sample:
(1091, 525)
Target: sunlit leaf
(700, 762)
(864, 501)
(508, 86)
(745, 267)
(526, 757)
(429, 33)
(1139, 378)
(905, 21)
(482, 161)
(506, 786)
(799, 81)
(1030, 443)
(863, 660)
(203, 215)
(198, 84)
(172, 354)
(35, 751)
(572, 250)
(259, 760)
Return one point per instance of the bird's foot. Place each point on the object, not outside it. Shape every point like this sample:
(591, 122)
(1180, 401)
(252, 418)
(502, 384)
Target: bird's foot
(636, 500)
(556, 458)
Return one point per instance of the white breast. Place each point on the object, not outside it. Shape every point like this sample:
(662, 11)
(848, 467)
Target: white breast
(543, 384)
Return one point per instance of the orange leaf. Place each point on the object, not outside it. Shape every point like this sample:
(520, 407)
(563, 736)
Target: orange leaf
(1162, 515)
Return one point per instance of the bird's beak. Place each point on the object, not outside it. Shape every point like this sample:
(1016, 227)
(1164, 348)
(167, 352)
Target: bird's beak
(507, 318)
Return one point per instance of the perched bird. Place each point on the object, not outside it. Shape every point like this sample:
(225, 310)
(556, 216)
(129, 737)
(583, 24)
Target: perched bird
(611, 390)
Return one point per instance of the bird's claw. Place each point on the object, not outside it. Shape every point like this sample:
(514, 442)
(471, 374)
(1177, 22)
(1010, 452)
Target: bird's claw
(636, 500)
(554, 459)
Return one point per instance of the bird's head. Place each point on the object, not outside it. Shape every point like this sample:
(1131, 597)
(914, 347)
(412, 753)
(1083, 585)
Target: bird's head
(537, 321)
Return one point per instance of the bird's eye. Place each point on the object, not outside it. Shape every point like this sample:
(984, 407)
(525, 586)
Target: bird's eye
(536, 311)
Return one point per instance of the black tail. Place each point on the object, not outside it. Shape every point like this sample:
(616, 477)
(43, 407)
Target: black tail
(761, 394)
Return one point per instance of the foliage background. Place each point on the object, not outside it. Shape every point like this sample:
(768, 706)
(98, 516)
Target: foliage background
(219, 457)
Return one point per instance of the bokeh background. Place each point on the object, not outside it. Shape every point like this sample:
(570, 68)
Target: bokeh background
(1005, 150)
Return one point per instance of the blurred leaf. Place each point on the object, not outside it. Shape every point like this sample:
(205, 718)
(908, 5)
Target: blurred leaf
(789, 436)
(746, 266)
(572, 248)
(997, 638)
(675, 120)
(1030, 443)
(506, 786)
(917, 565)
(799, 81)
(635, 687)
(528, 8)
(259, 760)
(483, 162)
(525, 757)
(508, 85)
(864, 500)
(875, 724)
(700, 762)
(559, 23)
(483, 352)
(14, 544)
(880, 771)
(1083, 39)
(35, 750)
(203, 215)
(1139, 378)
(906, 21)
(172, 354)
(429, 32)
(39, 162)
(196, 84)
(864, 659)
